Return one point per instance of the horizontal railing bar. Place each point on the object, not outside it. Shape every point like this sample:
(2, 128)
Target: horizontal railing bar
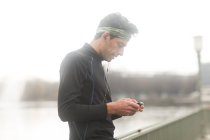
(139, 132)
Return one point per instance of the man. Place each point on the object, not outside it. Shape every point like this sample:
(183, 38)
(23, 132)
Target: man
(84, 98)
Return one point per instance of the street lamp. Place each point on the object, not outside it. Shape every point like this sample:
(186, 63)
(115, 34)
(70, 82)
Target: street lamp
(198, 47)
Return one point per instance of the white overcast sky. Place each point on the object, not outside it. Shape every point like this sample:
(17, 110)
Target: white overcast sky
(35, 35)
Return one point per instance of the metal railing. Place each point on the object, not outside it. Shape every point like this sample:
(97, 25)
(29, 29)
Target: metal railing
(188, 127)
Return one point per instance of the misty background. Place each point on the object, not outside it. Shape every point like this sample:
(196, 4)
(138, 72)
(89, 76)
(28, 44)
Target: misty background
(159, 65)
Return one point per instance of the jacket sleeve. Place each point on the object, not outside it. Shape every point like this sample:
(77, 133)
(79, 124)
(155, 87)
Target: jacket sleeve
(72, 76)
(114, 117)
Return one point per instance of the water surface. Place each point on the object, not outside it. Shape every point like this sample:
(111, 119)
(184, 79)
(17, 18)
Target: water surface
(31, 121)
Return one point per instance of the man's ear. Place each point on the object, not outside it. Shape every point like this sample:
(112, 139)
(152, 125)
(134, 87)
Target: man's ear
(106, 35)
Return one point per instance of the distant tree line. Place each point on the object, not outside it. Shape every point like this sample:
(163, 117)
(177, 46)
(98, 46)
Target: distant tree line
(158, 84)
(134, 85)
(205, 71)
(40, 90)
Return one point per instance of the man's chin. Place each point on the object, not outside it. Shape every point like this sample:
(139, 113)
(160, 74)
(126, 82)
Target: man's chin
(108, 59)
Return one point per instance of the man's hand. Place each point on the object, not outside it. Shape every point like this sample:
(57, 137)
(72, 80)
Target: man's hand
(124, 107)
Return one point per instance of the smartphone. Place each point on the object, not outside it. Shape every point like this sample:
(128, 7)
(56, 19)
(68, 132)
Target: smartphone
(140, 103)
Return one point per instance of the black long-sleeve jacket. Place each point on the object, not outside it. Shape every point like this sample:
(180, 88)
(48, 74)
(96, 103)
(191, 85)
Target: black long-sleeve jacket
(83, 94)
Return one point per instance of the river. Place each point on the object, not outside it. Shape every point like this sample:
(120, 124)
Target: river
(30, 121)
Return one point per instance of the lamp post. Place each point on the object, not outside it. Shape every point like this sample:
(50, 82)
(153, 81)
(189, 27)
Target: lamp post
(198, 47)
